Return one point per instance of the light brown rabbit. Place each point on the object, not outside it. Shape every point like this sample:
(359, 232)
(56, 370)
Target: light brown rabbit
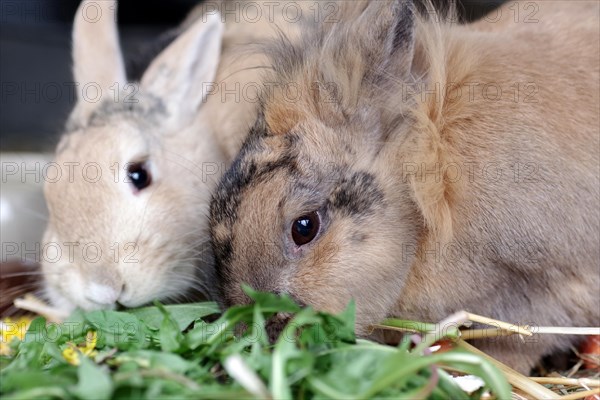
(128, 212)
(425, 168)
(123, 214)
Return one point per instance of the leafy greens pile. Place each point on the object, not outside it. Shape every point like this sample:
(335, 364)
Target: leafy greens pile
(177, 351)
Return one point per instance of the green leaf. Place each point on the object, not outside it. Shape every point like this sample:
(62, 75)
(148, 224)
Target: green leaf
(118, 329)
(26, 380)
(94, 381)
(74, 327)
(36, 331)
(216, 333)
(270, 302)
(448, 386)
(182, 314)
(151, 353)
(149, 359)
(285, 351)
(171, 339)
(478, 366)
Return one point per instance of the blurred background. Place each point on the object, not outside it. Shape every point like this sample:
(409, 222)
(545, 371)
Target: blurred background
(37, 95)
(35, 61)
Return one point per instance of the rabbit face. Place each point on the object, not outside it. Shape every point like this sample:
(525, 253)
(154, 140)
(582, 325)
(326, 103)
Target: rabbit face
(307, 213)
(127, 216)
(132, 229)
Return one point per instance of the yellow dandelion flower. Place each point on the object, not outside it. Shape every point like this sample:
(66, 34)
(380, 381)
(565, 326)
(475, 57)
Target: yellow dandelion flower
(10, 329)
(88, 349)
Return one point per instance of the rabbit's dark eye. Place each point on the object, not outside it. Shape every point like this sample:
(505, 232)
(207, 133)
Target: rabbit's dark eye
(305, 228)
(139, 175)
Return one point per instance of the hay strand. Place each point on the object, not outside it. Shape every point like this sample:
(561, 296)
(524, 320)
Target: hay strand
(516, 379)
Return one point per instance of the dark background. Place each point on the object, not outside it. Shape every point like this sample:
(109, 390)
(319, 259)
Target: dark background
(35, 62)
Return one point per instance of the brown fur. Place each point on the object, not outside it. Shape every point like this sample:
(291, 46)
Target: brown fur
(376, 164)
(233, 104)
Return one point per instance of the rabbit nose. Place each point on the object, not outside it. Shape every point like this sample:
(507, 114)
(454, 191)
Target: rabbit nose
(127, 298)
(103, 294)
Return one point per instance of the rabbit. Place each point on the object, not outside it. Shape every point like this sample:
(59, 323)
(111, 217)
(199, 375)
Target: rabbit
(123, 221)
(395, 180)
(128, 217)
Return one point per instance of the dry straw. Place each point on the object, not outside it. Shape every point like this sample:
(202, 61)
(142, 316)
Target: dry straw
(532, 387)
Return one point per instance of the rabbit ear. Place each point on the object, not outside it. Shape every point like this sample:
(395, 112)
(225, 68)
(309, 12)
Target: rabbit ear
(183, 73)
(97, 58)
(392, 21)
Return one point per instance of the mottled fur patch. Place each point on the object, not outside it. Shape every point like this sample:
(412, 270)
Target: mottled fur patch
(135, 105)
(249, 169)
(356, 195)
(140, 106)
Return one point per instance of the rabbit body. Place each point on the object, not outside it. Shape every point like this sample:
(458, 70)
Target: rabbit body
(432, 168)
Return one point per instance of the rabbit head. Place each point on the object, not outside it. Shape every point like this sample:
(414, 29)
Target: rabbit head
(126, 213)
(311, 206)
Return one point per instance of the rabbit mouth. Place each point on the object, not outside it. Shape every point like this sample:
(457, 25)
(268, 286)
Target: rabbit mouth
(275, 326)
